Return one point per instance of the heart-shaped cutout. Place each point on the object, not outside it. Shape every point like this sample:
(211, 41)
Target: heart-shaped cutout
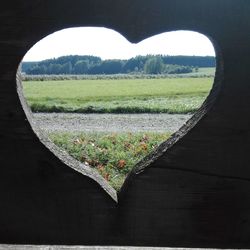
(125, 108)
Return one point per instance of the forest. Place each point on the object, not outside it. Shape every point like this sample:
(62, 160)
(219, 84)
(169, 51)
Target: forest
(92, 65)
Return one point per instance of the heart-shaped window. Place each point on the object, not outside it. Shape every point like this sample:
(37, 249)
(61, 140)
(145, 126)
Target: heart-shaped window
(109, 103)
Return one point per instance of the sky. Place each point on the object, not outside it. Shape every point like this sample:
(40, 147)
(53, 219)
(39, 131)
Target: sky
(109, 44)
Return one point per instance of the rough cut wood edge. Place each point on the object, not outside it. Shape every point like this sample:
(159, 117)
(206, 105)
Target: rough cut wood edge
(190, 124)
(61, 154)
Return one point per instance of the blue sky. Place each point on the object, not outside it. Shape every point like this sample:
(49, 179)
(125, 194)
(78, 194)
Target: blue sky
(109, 44)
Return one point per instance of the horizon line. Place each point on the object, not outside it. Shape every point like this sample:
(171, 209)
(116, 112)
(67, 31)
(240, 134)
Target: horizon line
(54, 58)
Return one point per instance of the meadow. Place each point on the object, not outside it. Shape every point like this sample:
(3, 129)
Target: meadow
(169, 95)
(113, 155)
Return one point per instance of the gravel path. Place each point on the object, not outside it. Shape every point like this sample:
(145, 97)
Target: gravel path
(58, 122)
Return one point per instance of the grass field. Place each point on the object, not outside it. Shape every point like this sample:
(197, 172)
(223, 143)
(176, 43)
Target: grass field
(170, 95)
(112, 155)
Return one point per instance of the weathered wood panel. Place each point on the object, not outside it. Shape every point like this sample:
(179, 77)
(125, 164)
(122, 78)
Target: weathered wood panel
(195, 192)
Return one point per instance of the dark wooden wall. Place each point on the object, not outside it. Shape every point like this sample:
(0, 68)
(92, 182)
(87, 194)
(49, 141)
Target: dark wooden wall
(195, 190)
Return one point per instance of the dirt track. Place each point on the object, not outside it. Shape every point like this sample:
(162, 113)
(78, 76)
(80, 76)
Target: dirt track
(110, 122)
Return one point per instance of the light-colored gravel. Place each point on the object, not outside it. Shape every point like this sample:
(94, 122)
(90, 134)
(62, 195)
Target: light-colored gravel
(59, 122)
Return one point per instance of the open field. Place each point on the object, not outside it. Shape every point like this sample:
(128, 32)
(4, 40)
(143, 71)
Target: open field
(113, 155)
(206, 71)
(170, 95)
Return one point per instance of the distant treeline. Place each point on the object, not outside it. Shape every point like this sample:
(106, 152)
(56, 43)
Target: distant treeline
(92, 65)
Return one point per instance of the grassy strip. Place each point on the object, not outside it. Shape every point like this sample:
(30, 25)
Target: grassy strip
(181, 105)
(182, 95)
(113, 155)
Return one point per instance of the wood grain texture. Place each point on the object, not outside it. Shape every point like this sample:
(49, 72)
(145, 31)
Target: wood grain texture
(193, 192)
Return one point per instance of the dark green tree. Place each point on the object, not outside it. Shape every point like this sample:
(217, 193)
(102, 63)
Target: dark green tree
(154, 65)
(67, 68)
(151, 64)
(81, 67)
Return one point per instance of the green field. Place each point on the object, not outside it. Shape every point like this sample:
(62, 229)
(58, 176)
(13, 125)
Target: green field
(170, 95)
(112, 155)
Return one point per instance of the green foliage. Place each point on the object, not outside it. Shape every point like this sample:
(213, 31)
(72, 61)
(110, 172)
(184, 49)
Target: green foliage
(112, 155)
(195, 61)
(151, 64)
(176, 69)
(107, 67)
(154, 65)
(177, 95)
(135, 64)
(61, 65)
(81, 67)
